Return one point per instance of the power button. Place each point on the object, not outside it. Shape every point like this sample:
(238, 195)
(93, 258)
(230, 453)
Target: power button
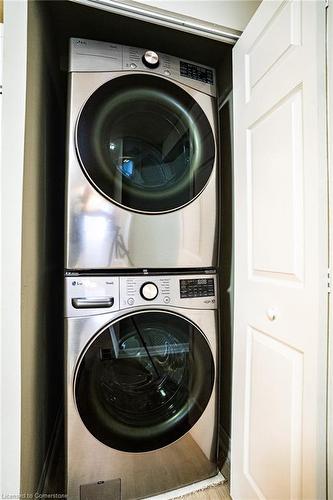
(130, 301)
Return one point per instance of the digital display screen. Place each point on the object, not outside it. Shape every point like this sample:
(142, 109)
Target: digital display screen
(196, 72)
(203, 287)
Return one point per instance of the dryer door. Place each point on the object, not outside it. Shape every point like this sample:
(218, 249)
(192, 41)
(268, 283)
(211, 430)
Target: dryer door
(144, 381)
(145, 143)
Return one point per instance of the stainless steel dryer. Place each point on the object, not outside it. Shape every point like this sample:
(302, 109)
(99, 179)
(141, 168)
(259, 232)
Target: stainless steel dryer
(141, 399)
(141, 160)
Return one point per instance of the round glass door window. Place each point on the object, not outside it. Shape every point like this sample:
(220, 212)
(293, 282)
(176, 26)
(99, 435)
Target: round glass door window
(144, 381)
(145, 143)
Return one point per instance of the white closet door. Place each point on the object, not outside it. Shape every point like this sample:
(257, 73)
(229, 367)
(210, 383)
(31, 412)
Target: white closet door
(281, 257)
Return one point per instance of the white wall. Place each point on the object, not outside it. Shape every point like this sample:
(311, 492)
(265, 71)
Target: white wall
(12, 154)
(229, 13)
(1, 64)
(330, 347)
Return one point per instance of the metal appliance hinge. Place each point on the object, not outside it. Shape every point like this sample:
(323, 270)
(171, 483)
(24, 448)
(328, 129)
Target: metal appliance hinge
(329, 288)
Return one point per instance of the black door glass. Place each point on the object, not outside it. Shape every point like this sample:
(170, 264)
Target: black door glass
(145, 143)
(144, 381)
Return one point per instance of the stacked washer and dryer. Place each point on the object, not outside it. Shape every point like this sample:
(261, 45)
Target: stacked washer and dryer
(140, 287)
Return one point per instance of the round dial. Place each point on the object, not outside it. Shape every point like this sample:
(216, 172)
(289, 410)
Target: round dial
(150, 59)
(149, 291)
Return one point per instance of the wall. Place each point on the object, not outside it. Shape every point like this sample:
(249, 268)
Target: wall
(42, 254)
(229, 13)
(226, 272)
(12, 154)
(330, 336)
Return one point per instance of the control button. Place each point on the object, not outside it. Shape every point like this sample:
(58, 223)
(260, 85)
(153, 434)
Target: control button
(167, 72)
(149, 291)
(133, 66)
(130, 301)
(150, 59)
(166, 300)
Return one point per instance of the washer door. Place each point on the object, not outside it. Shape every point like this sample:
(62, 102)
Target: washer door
(144, 381)
(145, 143)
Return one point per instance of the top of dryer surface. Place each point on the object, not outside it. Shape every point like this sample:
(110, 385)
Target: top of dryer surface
(94, 56)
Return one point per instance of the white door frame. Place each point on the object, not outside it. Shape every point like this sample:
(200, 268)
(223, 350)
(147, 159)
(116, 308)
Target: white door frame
(329, 48)
(12, 159)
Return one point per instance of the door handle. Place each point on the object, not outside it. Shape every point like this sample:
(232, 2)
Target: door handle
(92, 303)
(271, 314)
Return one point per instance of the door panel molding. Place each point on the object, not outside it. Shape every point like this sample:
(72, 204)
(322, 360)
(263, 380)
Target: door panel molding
(275, 169)
(281, 255)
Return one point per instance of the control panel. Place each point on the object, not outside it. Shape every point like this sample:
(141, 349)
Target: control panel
(91, 295)
(93, 56)
(202, 287)
(194, 292)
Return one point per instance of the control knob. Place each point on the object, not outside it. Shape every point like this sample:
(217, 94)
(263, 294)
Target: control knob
(150, 59)
(149, 291)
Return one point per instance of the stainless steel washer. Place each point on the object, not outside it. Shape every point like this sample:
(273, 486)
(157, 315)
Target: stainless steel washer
(141, 399)
(141, 160)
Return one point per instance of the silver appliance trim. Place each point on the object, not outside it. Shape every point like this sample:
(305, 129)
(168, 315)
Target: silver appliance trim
(116, 75)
